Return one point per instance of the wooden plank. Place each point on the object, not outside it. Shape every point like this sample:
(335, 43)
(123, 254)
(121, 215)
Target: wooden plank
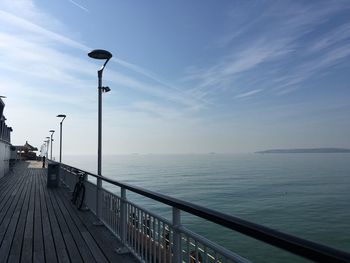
(61, 250)
(38, 246)
(103, 238)
(5, 185)
(38, 224)
(8, 209)
(72, 249)
(49, 246)
(15, 252)
(84, 250)
(12, 219)
(95, 249)
(27, 247)
(8, 194)
(96, 252)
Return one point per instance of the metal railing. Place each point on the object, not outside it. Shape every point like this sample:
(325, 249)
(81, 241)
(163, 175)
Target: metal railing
(153, 238)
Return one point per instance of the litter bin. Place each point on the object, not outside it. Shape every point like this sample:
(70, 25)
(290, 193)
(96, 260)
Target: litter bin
(53, 175)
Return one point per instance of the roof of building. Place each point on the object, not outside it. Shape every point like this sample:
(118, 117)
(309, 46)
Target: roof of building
(26, 147)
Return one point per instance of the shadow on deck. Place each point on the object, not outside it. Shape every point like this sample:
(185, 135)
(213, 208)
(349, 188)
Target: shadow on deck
(38, 224)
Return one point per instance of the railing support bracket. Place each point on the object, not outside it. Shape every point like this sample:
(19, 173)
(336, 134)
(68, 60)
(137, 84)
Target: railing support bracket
(84, 208)
(122, 250)
(98, 223)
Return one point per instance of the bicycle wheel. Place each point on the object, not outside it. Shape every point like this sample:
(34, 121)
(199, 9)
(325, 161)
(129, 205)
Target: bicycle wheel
(80, 197)
(74, 194)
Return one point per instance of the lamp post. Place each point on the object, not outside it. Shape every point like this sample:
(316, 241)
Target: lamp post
(52, 132)
(61, 116)
(43, 153)
(48, 145)
(103, 55)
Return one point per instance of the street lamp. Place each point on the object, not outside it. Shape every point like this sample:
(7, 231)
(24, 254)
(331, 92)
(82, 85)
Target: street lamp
(48, 145)
(61, 116)
(45, 149)
(103, 55)
(52, 132)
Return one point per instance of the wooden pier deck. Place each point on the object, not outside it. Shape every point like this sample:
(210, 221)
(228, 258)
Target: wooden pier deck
(38, 224)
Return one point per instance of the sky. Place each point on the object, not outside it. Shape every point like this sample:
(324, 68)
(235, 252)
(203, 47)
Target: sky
(185, 77)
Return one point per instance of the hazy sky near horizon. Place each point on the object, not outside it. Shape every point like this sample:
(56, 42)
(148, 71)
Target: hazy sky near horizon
(186, 76)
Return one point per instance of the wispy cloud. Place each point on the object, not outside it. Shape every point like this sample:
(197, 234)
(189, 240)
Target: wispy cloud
(46, 60)
(311, 67)
(79, 5)
(283, 42)
(28, 26)
(335, 36)
(156, 109)
(249, 93)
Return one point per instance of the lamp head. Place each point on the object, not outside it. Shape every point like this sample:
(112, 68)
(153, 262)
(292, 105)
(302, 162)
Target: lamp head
(61, 116)
(100, 54)
(105, 89)
(52, 131)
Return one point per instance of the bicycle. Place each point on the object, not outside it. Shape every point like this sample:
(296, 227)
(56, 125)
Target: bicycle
(78, 194)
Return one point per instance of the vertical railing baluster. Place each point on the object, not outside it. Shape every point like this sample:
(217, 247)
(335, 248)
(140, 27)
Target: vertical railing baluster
(114, 212)
(129, 232)
(118, 216)
(142, 235)
(133, 228)
(123, 215)
(176, 235)
(145, 237)
(108, 210)
(164, 242)
(106, 207)
(188, 249)
(138, 231)
(206, 254)
(170, 246)
(154, 240)
(159, 240)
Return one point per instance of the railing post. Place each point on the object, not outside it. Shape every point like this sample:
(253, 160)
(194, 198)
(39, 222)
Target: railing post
(98, 200)
(64, 176)
(176, 235)
(123, 222)
(123, 215)
(61, 175)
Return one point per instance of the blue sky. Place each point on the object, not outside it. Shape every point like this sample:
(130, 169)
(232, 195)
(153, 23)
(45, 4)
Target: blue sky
(186, 76)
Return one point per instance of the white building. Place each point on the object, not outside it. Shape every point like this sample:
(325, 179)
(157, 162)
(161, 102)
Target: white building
(5, 142)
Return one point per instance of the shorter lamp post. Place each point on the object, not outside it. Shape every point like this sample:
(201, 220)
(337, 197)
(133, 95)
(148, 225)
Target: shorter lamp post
(61, 116)
(52, 132)
(48, 145)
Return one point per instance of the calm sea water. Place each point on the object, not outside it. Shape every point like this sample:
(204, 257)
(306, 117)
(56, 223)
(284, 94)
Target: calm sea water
(307, 195)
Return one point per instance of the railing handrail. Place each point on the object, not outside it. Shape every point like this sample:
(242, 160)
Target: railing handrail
(293, 244)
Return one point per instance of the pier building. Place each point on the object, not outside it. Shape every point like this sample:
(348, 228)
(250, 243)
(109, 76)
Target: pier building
(5, 142)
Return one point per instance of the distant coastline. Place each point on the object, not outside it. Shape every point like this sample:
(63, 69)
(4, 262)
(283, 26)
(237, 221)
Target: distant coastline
(307, 150)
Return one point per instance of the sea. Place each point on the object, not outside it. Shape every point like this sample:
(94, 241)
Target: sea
(307, 195)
